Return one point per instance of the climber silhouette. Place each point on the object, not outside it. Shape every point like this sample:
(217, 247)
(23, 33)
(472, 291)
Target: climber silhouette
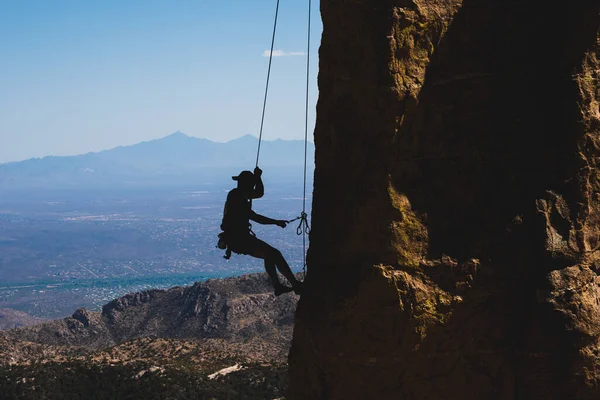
(239, 238)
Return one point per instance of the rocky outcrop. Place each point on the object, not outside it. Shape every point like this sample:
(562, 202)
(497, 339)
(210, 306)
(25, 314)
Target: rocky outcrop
(456, 208)
(235, 310)
(10, 319)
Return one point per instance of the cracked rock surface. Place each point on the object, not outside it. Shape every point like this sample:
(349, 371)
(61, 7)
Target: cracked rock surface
(455, 243)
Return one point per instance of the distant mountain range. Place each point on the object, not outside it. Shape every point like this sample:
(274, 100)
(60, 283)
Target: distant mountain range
(174, 159)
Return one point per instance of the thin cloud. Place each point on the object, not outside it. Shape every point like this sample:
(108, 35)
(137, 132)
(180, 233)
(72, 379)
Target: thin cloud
(281, 53)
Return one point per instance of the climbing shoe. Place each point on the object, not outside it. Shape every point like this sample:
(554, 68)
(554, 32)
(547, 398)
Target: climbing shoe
(281, 289)
(298, 287)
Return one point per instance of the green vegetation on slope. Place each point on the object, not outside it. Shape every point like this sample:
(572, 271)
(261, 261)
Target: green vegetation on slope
(80, 380)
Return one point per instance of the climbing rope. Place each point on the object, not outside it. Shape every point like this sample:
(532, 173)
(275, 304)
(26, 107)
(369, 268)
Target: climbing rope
(303, 227)
(262, 119)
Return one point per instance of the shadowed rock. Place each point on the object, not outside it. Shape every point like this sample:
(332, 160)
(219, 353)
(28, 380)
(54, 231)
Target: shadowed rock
(456, 209)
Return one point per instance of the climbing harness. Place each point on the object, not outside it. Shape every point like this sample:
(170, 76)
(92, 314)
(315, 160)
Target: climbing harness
(303, 227)
(222, 243)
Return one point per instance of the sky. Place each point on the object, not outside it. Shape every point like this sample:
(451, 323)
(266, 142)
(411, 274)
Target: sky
(79, 76)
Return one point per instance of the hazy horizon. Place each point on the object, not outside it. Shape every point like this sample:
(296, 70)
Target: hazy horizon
(149, 140)
(86, 77)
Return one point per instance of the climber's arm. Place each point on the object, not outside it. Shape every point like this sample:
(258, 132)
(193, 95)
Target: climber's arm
(259, 187)
(261, 219)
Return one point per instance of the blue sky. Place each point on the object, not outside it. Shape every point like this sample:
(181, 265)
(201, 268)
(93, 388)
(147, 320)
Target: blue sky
(79, 76)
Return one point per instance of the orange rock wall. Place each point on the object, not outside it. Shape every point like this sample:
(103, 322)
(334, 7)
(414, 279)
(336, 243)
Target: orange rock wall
(456, 217)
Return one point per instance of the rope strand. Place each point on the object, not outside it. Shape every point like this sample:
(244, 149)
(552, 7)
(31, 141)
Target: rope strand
(303, 228)
(262, 120)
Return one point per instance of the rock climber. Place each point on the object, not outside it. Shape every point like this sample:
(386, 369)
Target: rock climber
(237, 235)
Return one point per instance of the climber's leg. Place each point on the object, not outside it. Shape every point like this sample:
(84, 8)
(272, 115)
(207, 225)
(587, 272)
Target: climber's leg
(273, 257)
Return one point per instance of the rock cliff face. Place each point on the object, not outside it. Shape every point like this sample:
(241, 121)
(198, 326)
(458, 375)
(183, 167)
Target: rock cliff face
(456, 216)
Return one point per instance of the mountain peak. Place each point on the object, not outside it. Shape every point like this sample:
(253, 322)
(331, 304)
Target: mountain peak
(177, 135)
(246, 138)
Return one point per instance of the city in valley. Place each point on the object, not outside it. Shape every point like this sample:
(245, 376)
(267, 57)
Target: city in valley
(65, 249)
